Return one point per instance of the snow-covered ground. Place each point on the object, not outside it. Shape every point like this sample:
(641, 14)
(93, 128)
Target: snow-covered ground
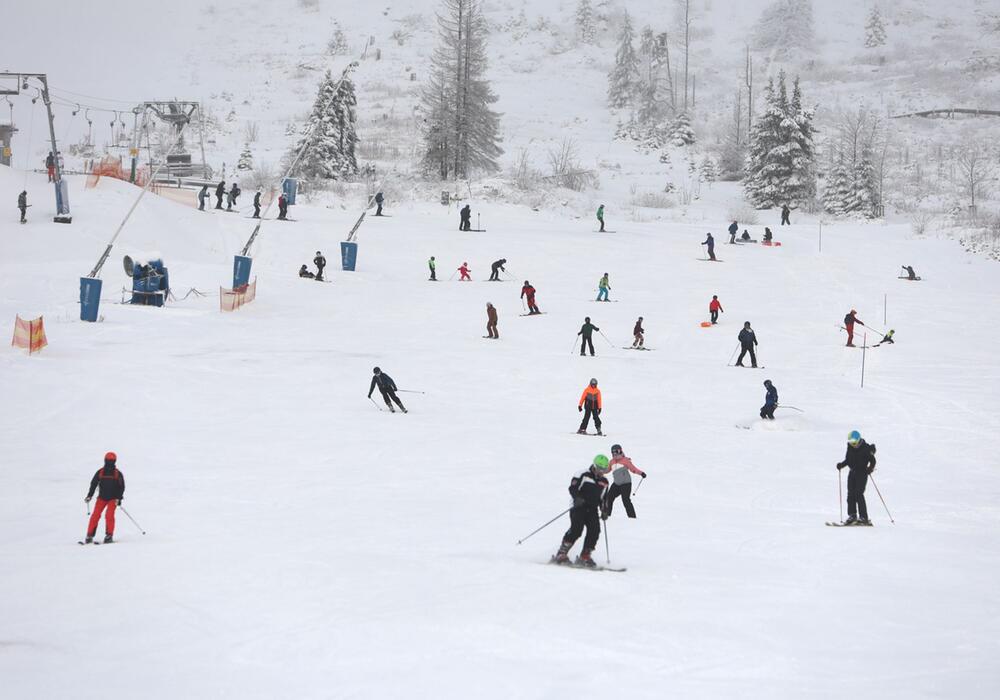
(303, 544)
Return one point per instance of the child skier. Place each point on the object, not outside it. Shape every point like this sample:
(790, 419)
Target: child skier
(433, 268)
(714, 307)
(586, 489)
(622, 470)
(529, 291)
(887, 338)
(465, 273)
(491, 321)
(639, 334)
(603, 287)
(860, 458)
(304, 272)
(600, 217)
(112, 490)
(770, 401)
(591, 398)
(22, 205)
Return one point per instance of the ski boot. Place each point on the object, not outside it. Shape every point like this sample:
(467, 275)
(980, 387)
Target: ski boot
(865, 521)
(851, 520)
(585, 561)
(581, 431)
(108, 539)
(403, 409)
(599, 432)
(90, 539)
(391, 409)
(561, 556)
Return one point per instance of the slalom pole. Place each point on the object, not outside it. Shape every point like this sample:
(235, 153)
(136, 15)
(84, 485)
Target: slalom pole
(606, 338)
(840, 492)
(375, 404)
(543, 526)
(883, 500)
(132, 519)
(730, 363)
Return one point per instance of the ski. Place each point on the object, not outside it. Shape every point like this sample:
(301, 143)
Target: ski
(82, 542)
(540, 313)
(607, 230)
(490, 337)
(751, 367)
(630, 347)
(597, 567)
(844, 524)
(592, 434)
(604, 301)
(709, 260)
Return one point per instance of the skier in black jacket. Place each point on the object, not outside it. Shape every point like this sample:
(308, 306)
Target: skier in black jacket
(496, 268)
(587, 491)
(220, 191)
(747, 340)
(587, 331)
(22, 204)
(770, 401)
(320, 262)
(256, 204)
(860, 458)
(112, 490)
(465, 223)
(710, 242)
(379, 199)
(388, 388)
(733, 229)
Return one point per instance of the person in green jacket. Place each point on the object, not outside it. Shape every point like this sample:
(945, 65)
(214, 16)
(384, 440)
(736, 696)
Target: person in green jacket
(603, 287)
(587, 331)
(600, 217)
(433, 266)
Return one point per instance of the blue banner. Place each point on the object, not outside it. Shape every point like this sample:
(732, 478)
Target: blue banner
(90, 298)
(289, 187)
(348, 255)
(241, 270)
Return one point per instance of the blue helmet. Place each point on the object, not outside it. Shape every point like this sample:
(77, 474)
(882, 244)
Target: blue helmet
(853, 438)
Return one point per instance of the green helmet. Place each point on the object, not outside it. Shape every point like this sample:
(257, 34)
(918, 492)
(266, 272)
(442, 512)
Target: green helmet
(601, 462)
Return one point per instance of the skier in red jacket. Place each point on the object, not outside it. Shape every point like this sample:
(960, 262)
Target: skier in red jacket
(529, 291)
(714, 307)
(849, 321)
(465, 273)
(112, 490)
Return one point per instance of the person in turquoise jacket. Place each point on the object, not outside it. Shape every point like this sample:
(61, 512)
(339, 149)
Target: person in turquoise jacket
(603, 287)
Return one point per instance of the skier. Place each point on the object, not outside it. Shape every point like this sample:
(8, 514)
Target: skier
(785, 211)
(714, 308)
(770, 401)
(491, 322)
(746, 237)
(379, 199)
(304, 272)
(464, 269)
(767, 236)
(622, 470)
(433, 267)
(603, 287)
(320, 262)
(256, 204)
(747, 340)
(600, 217)
(112, 491)
(590, 405)
(282, 206)
(465, 223)
(233, 194)
(733, 228)
(887, 338)
(220, 190)
(22, 204)
(910, 274)
(860, 458)
(639, 334)
(496, 268)
(388, 389)
(849, 321)
(710, 242)
(586, 490)
(202, 196)
(587, 331)
(50, 166)
(528, 290)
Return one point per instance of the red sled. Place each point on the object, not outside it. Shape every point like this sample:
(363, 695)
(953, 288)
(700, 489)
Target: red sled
(776, 244)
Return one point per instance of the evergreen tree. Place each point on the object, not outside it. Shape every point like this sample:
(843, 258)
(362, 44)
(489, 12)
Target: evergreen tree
(461, 132)
(784, 25)
(246, 159)
(707, 169)
(681, 133)
(874, 30)
(622, 82)
(801, 185)
(330, 134)
(837, 195)
(585, 28)
(864, 187)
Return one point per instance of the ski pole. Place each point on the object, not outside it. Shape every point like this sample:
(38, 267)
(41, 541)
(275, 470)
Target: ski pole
(410, 391)
(840, 492)
(573, 349)
(883, 500)
(607, 549)
(638, 487)
(781, 405)
(606, 338)
(730, 363)
(133, 520)
(375, 404)
(453, 275)
(87, 503)
(525, 307)
(543, 526)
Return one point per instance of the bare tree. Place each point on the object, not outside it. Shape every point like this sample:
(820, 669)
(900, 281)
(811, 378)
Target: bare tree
(974, 171)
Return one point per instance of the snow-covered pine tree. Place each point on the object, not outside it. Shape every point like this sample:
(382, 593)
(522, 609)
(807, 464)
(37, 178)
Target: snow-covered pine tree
(330, 132)
(585, 19)
(707, 169)
(874, 30)
(246, 158)
(344, 119)
(838, 195)
(461, 132)
(622, 82)
(681, 133)
(784, 25)
(864, 188)
(801, 185)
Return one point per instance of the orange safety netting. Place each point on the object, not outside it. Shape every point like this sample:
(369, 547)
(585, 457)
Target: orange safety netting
(232, 299)
(29, 334)
(111, 166)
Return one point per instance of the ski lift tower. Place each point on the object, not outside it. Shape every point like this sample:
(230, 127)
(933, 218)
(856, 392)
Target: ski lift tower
(13, 84)
(176, 113)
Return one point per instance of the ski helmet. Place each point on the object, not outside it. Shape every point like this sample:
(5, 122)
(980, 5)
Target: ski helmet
(110, 457)
(376, 371)
(593, 381)
(767, 382)
(602, 463)
(616, 449)
(853, 438)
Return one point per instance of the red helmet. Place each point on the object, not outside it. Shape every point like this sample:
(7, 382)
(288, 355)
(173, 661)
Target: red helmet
(110, 457)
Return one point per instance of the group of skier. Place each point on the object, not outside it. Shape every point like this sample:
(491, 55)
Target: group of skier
(320, 262)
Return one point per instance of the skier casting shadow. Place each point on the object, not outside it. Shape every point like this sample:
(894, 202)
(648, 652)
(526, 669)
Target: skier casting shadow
(388, 389)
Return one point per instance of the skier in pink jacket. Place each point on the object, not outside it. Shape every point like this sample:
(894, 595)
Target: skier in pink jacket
(622, 470)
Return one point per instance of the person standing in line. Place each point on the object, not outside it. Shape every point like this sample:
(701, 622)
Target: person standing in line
(849, 321)
(747, 341)
(714, 308)
(50, 166)
(109, 483)
(770, 401)
(785, 212)
(860, 458)
(491, 322)
(320, 262)
(256, 204)
(529, 291)
(590, 405)
(600, 217)
(710, 242)
(233, 194)
(587, 331)
(282, 206)
(496, 268)
(388, 389)
(621, 472)
(22, 204)
(464, 269)
(433, 268)
(638, 334)
(202, 196)
(379, 199)
(220, 191)
(603, 287)
(586, 489)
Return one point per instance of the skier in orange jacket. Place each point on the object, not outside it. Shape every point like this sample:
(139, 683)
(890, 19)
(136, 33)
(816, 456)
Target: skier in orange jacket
(590, 402)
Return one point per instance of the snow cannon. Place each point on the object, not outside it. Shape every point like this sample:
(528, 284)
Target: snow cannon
(150, 281)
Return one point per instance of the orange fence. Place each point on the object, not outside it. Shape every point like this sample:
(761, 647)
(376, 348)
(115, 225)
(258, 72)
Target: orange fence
(110, 166)
(232, 299)
(29, 334)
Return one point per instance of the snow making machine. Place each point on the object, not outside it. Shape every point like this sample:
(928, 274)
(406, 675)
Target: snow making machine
(150, 281)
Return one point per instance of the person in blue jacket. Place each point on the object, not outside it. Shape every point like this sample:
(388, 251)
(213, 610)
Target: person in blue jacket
(710, 242)
(770, 401)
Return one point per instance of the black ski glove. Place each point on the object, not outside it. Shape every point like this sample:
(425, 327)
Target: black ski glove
(86, 499)
(580, 409)
(840, 465)
(642, 474)
(120, 501)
